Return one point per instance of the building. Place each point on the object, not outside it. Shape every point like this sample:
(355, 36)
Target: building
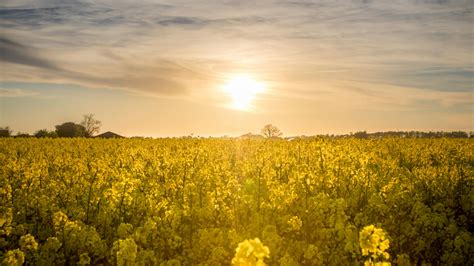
(109, 135)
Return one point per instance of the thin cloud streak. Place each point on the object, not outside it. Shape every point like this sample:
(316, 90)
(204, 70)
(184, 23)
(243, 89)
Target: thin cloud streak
(16, 93)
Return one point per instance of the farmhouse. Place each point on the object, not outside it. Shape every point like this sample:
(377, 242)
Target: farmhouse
(109, 135)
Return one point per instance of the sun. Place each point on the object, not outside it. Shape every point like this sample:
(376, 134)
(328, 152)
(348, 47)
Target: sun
(242, 89)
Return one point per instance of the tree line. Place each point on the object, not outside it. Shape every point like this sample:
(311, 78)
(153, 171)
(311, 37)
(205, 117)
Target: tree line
(88, 127)
(412, 134)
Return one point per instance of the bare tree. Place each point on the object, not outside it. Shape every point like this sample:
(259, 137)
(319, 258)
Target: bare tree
(271, 131)
(91, 125)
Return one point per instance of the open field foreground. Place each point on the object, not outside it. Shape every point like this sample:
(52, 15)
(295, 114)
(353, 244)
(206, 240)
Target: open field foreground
(192, 201)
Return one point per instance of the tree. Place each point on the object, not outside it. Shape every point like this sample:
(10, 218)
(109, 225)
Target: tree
(22, 135)
(91, 125)
(361, 135)
(44, 133)
(271, 131)
(5, 132)
(70, 130)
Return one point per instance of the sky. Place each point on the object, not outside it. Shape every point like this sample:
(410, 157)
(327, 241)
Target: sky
(161, 68)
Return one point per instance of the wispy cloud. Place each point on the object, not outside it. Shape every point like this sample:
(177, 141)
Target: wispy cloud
(15, 93)
(14, 52)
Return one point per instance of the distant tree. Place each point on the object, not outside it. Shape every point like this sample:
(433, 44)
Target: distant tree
(251, 136)
(52, 134)
(22, 135)
(361, 135)
(271, 131)
(91, 125)
(458, 134)
(70, 130)
(44, 133)
(5, 132)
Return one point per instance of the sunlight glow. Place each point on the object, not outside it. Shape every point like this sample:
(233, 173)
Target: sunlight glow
(242, 89)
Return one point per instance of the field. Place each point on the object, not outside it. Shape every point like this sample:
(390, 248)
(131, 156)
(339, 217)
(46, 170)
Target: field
(192, 201)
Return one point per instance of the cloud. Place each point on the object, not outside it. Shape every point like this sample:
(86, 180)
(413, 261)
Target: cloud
(158, 79)
(16, 93)
(181, 21)
(13, 52)
(439, 78)
(374, 96)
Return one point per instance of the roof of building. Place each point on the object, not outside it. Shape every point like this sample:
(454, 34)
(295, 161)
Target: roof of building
(109, 135)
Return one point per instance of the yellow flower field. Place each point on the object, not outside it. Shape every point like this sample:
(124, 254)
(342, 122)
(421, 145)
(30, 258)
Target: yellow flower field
(221, 201)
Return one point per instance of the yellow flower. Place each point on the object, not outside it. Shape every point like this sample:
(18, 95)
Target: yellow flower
(28, 242)
(250, 252)
(373, 242)
(14, 257)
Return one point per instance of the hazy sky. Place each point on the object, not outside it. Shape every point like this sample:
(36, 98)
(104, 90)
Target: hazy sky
(158, 68)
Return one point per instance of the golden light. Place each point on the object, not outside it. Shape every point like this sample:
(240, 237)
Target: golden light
(242, 89)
